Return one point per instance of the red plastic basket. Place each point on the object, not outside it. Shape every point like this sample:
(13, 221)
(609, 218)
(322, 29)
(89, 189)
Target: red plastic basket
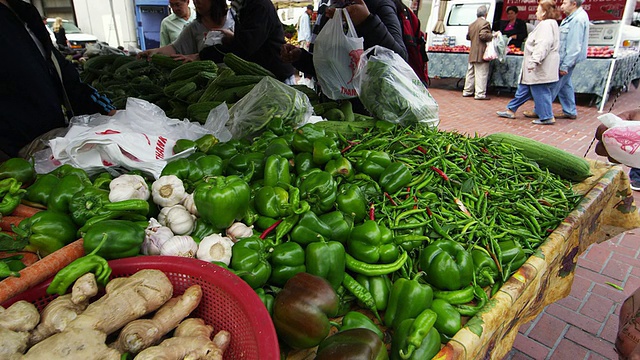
(228, 303)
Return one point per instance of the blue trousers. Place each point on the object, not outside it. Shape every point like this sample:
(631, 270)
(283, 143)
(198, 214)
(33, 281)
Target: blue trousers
(634, 175)
(563, 89)
(542, 95)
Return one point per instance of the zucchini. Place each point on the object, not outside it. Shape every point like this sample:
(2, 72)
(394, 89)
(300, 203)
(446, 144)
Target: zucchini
(557, 161)
(244, 67)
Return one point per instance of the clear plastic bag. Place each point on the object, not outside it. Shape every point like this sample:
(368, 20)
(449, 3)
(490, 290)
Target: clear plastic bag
(336, 56)
(500, 44)
(390, 90)
(268, 99)
(490, 51)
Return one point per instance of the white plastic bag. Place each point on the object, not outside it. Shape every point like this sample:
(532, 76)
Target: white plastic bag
(140, 137)
(336, 56)
(622, 139)
(490, 52)
(390, 89)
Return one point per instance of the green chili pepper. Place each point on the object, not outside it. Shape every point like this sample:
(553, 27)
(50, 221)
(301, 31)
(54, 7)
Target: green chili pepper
(461, 296)
(379, 286)
(419, 330)
(429, 347)
(11, 193)
(364, 268)
(361, 293)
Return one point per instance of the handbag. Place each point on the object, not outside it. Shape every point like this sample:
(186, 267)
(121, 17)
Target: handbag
(336, 55)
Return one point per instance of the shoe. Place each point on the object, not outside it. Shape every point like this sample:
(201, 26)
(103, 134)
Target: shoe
(505, 114)
(564, 115)
(635, 185)
(467, 95)
(530, 114)
(482, 98)
(544, 122)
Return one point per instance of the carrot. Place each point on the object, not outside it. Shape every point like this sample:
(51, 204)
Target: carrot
(7, 221)
(25, 211)
(28, 257)
(40, 270)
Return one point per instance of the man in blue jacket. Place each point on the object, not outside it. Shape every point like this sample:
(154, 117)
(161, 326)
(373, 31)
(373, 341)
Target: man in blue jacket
(574, 37)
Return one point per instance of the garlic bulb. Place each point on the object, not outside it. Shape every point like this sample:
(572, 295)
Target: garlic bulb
(155, 236)
(183, 246)
(190, 204)
(178, 219)
(215, 247)
(168, 190)
(239, 230)
(126, 187)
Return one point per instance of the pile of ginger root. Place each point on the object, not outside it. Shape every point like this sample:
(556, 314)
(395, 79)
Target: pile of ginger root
(72, 327)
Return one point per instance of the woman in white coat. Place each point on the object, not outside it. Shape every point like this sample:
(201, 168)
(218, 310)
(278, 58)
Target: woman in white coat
(539, 67)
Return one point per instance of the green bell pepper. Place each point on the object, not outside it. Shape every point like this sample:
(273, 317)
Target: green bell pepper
(202, 229)
(47, 231)
(89, 263)
(272, 201)
(287, 259)
(408, 298)
(327, 260)
(340, 227)
(276, 171)
(305, 136)
(102, 181)
(11, 193)
(512, 256)
(302, 309)
(182, 145)
(249, 258)
(372, 243)
(486, 270)
(351, 201)
(92, 205)
(67, 169)
(250, 166)
(352, 344)
(428, 348)
(340, 166)
(19, 169)
(304, 163)
(267, 299)
(278, 126)
(448, 265)
(222, 200)
(358, 320)
(226, 150)
(124, 239)
(449, 321)
(395, 177)
(325, 149)
(40, 190)
(371, 162)
(64, 191)
(319, 189)
(380, 288)
(261, 142)
(194, 169)
(310, 229)
(279, 146)
(205, 143)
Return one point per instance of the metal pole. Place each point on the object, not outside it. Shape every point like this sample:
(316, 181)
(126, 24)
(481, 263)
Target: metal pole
(115, 26)
(607, 85)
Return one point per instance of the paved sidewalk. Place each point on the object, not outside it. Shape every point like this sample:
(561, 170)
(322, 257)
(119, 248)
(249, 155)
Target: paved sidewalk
(584, 324)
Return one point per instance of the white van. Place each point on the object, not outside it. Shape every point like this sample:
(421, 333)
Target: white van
(77, 39)
(459, 14)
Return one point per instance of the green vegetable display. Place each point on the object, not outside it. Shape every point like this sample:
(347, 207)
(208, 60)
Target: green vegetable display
(222, 200)
(124, 239)
(47, 231)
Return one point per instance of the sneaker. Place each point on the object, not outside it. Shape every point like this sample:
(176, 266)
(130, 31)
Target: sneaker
(505, 114)
(544, 122)
(530, 114)
(467, 95)
(635, 185)
(564, 115)
(482, 98)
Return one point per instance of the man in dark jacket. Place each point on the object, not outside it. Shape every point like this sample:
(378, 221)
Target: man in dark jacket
(478, 70)
(32, 93)
(257, 37)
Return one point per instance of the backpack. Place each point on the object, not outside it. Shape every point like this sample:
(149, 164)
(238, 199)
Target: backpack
(414, 41)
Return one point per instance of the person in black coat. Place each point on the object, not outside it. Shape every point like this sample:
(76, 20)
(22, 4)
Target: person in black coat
(32, 92)
(60, 34)
(513, 27)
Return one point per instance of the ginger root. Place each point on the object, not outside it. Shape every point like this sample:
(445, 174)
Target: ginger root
(192, 340)
(140, 334)
(64, 309)
(12, 343)
(21, 316)
(73, 344)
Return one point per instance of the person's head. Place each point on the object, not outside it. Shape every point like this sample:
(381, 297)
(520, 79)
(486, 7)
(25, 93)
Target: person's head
(180, 8)
(482, 11)
(309, 9)
(57, 24)
(215, 9)
(546, 10)
(569, 6)
(512, 13)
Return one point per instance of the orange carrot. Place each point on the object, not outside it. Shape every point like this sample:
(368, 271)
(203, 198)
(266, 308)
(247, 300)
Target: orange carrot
(40, 270)
(25, 211)
(28, 257)
(7, 221)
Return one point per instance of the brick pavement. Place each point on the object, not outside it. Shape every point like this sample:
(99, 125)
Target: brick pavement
(584, 324)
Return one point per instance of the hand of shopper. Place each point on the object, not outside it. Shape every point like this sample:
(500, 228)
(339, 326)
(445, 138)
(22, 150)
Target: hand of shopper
(186, 58)
(290, 53)
(358, 12)
(633, 115)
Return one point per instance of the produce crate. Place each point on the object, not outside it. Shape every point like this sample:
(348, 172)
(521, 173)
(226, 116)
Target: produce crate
(228, 303)
(607, 210)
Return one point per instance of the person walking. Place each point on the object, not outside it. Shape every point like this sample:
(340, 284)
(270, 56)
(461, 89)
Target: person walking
(172, 25)
(304, 28)
(479, 34)
(574, 38)
(539, 72)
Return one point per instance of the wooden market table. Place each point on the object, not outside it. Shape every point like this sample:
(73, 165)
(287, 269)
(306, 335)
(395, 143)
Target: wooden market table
(607, 210)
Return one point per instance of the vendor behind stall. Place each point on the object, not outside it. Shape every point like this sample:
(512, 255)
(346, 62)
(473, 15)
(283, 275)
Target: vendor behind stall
(36, 81)
(513, 27)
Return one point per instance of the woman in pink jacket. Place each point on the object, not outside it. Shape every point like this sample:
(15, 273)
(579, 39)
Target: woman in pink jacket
(539, 67)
